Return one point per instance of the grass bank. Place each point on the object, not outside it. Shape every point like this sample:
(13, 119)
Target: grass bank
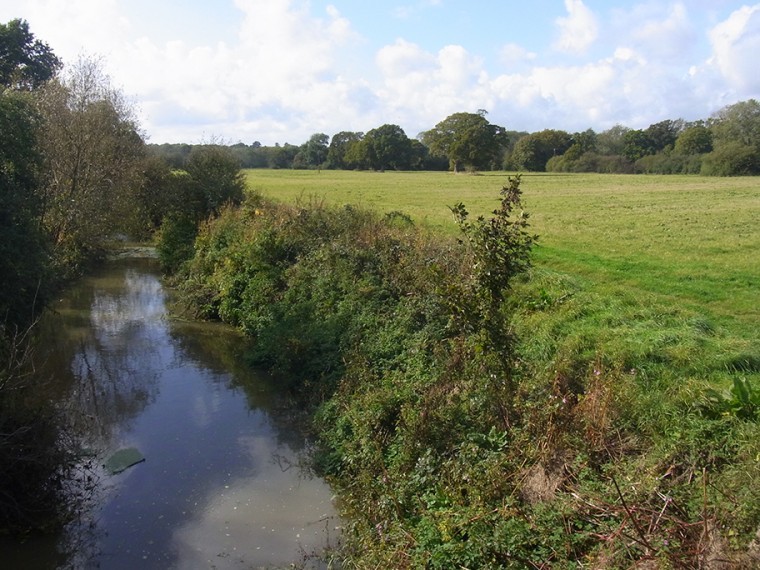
(596, 416)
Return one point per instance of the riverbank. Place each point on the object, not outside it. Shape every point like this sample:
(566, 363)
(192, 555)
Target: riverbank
(596, 428)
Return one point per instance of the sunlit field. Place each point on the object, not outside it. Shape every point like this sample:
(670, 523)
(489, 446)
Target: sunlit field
(690, 240)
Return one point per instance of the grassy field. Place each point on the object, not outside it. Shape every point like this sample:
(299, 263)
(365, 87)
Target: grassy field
(686, 240)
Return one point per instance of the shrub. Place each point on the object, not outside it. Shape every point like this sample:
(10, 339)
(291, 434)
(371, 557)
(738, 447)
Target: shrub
(732, 159)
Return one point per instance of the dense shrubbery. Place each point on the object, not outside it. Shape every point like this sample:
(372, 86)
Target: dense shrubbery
(474, 415)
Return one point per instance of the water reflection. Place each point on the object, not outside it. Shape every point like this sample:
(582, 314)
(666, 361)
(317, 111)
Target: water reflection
(220, 485)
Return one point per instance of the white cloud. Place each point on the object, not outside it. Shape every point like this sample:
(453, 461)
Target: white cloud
(283, 62)
(279, 71)
(736, 45)
(421, 88)
(70, 26)
(661, 31)
(512, 55)
(578, 30)
(671, 37)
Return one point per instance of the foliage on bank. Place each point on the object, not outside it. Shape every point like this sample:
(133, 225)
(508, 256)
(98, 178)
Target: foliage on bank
(70, 158)
(475, 413)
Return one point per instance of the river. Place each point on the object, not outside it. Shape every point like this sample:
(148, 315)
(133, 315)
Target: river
(221, 485)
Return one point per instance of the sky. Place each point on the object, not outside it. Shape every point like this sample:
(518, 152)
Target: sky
(278, 71)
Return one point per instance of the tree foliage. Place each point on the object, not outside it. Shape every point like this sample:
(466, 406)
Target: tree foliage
(696, 139)
(637, 143)
(468, 140)
(386, 148)
(340, 146)
(663, 135)
(532, 152)
(732, 158)
(216, 180)
(25, 62)
(500, 247)
(612, 141)
(93, 149)
(739, 122)
(313, 153)
(22, 248)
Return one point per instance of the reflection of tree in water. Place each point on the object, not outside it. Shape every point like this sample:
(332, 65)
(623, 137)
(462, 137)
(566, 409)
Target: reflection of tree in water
(106, 347)
(113, 343)
(116, 362)
(222, 350)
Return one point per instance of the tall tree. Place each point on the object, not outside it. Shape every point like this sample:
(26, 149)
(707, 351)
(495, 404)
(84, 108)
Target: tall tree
(339, 147)
(387, 147)
(697, 139)
(532, 152)
(313, 153)
(216, 177)
(468, 140)
(638, 143)
(612, 141)
(22, 249)
(663, 135)
(25, 63)
(93, 150)
(739, 123)
(736, 138)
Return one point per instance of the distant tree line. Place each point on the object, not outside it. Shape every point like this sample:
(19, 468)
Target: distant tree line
(726, 144)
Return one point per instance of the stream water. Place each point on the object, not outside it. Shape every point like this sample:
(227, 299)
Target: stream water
(221, 485)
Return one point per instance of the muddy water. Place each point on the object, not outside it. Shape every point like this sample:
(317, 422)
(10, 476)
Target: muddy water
(221, 485)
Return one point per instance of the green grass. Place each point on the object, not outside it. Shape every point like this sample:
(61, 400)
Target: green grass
(687, 240)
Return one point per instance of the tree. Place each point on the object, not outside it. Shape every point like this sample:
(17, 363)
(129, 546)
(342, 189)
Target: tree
(611, 141)
(663, 135)
(697, 139)
(93, 151)
(732, 158)
(637, 143)
(736, 140)
(387, 147)
(467, 140)
(281, 156)
(582, 143)
(22, 248)
(313, 153)
(25, 63)
(532, 152)
(339, 147)
(216, 179)
(739, 122)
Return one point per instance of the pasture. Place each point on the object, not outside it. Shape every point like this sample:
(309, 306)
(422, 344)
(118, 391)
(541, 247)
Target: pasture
(689, 241)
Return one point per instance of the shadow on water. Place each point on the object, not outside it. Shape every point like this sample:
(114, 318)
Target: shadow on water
(220, 485)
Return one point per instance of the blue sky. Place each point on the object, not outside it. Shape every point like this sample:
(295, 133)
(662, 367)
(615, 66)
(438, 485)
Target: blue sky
(281, 70)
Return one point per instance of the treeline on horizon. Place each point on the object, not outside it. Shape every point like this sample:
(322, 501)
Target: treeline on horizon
(726, 144)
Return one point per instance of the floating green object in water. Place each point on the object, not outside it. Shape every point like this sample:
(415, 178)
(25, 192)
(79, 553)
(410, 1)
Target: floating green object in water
(123, 459)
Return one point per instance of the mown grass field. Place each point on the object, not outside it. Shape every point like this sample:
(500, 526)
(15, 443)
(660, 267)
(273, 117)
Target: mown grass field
(685, 240)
